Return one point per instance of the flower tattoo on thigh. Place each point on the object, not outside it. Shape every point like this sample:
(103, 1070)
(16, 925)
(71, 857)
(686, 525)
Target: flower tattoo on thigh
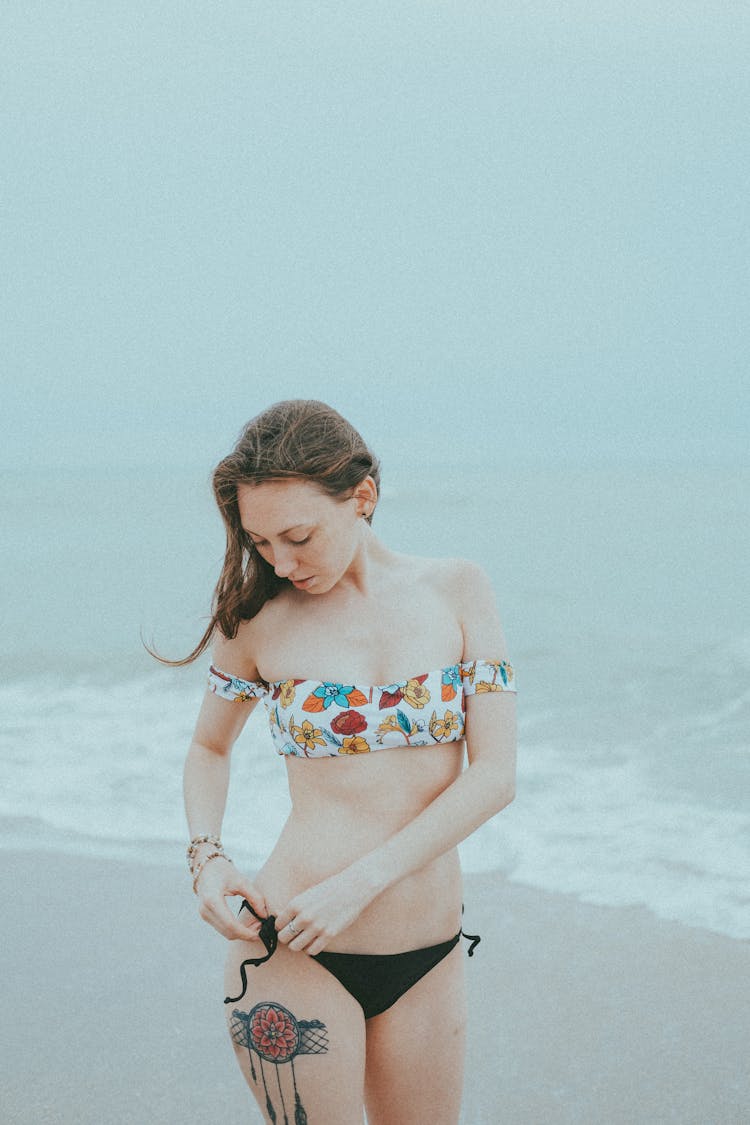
(270, 1031)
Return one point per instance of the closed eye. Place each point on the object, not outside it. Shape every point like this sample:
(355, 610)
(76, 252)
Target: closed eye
(296, 542)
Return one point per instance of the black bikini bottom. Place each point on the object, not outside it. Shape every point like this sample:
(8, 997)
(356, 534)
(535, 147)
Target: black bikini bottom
(375, 980)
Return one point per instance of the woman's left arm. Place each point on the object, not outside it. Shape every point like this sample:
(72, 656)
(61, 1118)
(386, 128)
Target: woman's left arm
(480, 791)
(489, 782)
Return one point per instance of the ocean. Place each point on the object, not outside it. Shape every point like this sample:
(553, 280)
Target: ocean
(623, 595)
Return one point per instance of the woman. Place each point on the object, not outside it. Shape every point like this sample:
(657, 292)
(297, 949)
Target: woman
(344, 978)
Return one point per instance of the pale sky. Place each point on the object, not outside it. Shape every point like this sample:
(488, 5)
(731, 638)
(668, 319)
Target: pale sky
(487, 232)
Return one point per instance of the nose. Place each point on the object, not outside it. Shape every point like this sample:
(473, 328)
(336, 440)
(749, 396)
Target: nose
(284, 563)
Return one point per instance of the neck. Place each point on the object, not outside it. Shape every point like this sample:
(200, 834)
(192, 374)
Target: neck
(368, 562)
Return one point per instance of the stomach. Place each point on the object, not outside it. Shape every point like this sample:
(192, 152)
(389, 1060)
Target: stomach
(344, 809)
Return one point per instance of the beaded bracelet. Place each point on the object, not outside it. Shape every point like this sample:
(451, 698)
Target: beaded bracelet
(202, 864)
(196, 842)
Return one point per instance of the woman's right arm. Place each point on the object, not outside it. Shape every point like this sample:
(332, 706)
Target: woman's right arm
(205, 786)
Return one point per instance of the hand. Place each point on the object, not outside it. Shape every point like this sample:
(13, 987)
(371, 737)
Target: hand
(219, 880)
(323, 911)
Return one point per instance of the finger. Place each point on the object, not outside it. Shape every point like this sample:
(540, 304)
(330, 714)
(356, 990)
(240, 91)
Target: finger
(249, 931)
(246, 926)
(216, 911)
(282, 927)
(246, 917)
(210, 916)
(316, 946)
(283, 919)
(250, 936)
(256, 900)
(288, 934)
(232, 930)
(301, 942)
(242, 926)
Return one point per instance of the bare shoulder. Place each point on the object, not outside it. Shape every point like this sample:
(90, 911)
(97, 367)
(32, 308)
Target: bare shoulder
(471, 594)
(236, 655)
(461, 580)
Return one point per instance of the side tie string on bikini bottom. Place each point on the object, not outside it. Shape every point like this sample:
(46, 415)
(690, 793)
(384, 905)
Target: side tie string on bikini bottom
(473, 938)
(270, 939)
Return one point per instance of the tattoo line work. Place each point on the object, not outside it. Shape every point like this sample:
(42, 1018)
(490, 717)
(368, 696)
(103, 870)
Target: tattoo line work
(276, 1036)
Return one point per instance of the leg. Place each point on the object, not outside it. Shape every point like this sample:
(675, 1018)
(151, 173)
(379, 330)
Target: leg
(299, 1038)
(415, 1051)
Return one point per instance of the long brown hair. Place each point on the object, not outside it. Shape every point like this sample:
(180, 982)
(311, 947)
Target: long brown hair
(300, 438)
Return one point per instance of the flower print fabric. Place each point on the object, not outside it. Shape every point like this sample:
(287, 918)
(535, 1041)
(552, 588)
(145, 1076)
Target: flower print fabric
(322, 719)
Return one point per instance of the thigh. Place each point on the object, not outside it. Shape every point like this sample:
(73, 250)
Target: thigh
(299, 1037)
(415, 1051)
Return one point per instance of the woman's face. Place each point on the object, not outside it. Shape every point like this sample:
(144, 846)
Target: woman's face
(306, 535)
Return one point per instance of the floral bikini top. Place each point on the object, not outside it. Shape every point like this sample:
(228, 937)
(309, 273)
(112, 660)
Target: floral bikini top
(319, 719)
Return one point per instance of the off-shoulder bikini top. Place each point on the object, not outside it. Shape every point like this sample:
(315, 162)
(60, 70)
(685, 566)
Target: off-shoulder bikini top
(321, 719)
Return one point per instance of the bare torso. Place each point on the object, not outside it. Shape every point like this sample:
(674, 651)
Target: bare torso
(343, 808)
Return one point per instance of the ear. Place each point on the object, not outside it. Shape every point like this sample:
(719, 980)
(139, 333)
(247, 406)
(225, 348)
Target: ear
(366, 497)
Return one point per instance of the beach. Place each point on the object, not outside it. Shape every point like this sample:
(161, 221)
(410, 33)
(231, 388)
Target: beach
(578, 1013)
(610, 985)
(508, 242)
